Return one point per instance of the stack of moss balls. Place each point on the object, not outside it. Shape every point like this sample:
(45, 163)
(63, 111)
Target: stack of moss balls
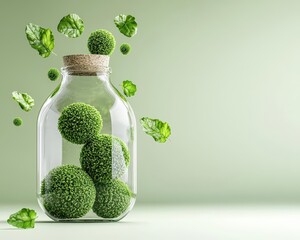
(69, 191)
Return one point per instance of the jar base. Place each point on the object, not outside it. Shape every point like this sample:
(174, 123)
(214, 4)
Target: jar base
(90, 217)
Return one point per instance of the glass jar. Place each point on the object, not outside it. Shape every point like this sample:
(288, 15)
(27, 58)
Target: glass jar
(87, 146)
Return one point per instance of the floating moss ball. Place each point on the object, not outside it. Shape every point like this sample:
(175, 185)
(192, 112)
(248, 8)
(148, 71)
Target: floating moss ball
(125, 48)
(104, 158)
(17, 121)
(53, 74)
(112, 199)
(68, 192)
(101, 42)
(79, 122)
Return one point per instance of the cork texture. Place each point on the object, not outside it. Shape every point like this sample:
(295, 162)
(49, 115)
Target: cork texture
(86, 64)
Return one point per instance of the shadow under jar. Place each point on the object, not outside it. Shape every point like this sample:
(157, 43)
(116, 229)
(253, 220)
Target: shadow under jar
(87, 146)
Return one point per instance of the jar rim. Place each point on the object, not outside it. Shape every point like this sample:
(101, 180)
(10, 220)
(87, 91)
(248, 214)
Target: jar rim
(85, 70)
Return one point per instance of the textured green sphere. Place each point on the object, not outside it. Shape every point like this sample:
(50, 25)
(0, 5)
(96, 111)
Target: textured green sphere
(125, 48)
(101, 42)
(53, 74)
(68, 192)
(17, 121)
(104, 158)
(79, 122)
(112, 199)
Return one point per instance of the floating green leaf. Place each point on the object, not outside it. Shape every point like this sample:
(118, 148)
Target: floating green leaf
(25, 218)
(129, 88)
(40, 39)
(71, 26)
(126, 24)
(159, 130)
(25, 101)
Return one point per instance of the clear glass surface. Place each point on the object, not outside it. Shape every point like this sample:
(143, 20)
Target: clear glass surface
(118, 120)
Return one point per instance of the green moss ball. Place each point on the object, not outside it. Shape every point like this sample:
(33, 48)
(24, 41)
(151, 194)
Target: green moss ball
(53, 74)
(112, 199)
(101, 42)
(104, 158)
(68, 192)
(17, 121)
(79, 122)
(125, 48)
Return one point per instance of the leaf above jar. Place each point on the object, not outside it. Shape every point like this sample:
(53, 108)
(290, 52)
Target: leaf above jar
(156, 128)
(126, 24)
(71, 26)
(40, 39)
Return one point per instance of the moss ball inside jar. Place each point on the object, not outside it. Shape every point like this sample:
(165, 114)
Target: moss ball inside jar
(79, 122)
(104, 158)
(112, 199)
(68, 192)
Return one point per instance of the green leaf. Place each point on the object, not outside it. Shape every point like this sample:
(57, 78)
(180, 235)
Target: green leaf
(129, 88)
(159, 130)
(40, 39)
(71, 26)
(126, 24)
(25, 218)
(25, 101)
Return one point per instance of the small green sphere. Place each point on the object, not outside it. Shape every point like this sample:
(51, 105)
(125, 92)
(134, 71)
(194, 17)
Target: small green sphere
(101, 42)
(68, 192)
(53, 74)
(125, 48)
(104, 158)
(79, 122)
(18, 121)
(112, 199)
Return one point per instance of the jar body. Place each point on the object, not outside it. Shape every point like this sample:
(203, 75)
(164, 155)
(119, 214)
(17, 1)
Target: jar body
(54, 151)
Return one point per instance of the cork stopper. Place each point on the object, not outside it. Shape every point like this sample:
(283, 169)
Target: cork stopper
(86, 64)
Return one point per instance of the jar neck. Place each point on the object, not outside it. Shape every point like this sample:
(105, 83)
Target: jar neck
(87, 82)
(72, 75)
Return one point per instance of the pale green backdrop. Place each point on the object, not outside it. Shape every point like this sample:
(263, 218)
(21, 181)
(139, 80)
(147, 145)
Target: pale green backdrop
(224, 74)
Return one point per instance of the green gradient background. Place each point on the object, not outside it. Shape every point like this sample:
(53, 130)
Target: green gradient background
(224, 74)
